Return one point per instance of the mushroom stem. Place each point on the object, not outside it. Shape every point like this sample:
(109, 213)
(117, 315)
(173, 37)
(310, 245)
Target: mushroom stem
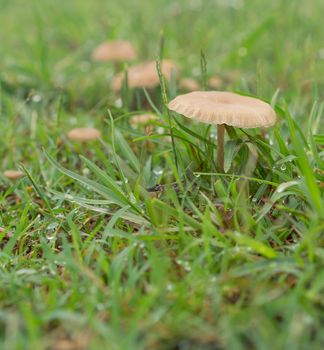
(220, 147)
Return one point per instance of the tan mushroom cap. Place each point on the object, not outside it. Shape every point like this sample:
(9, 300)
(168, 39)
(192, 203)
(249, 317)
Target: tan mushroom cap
(219, 107)
(215, 82)
(84, 134)
(13, 174)
(189, 84)
(114, 51)
(142, 119)
(145, 75)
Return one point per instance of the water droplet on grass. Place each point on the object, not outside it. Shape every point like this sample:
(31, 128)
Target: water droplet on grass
(85, 171)
(119, 103)
(158, 171)
(169, 287)
(36, 98)
(213, 136)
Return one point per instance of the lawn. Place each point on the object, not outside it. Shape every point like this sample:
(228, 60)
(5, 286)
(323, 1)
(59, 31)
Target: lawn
(133, 242)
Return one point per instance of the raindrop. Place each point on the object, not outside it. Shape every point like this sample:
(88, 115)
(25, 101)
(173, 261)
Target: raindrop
(119, 103)
(51, 237)
(170, 287)
(73, 120)
(68, 197)
(52, 226)
(283, 167)
(158, 171)
(85, 171)
(187, 266)
(160, 130)
(132, 198)
(36, 98)
(213, 136)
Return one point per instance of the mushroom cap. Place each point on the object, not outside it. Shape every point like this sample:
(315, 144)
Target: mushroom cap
(13, 174)
(142, 119)
(145, 75)
(219, 107)
(114, 51)
(84, 134)
(189, 84)
(215, 82)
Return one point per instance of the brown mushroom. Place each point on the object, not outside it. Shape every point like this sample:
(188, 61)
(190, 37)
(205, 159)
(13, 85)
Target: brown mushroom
(215, 82)
(84, 134)
(145, 75)
(142, 119)
(114, 51)
(13, 174)
(224, 108)
(189, 84)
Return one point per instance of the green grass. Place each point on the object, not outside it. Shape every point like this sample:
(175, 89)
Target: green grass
(89, 258)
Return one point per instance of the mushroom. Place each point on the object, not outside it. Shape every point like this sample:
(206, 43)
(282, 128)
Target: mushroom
(114, 51)
(215, 82)
(84, 134)
(13, 174)
(142, 119)
(224, 108)
(189, 84)
(144, 75)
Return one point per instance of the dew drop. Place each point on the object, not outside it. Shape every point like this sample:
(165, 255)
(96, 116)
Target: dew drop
(36, 98)
(85, 171)
(158, 171)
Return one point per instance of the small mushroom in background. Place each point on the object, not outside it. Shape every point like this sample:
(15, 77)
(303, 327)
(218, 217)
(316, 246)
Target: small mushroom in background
(114, 51)
(84, 134)
(142, 119)
(215, 82)
(189, 84)
(224, 108)
(13, 174)
(145, 75)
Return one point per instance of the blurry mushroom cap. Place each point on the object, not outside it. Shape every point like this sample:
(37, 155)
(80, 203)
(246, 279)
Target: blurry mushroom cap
(219, 107)
(142, 119)
(144, 75)
(83, 134)
(114, 51)
(13, 174)
(215, 82)
(189, 84)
